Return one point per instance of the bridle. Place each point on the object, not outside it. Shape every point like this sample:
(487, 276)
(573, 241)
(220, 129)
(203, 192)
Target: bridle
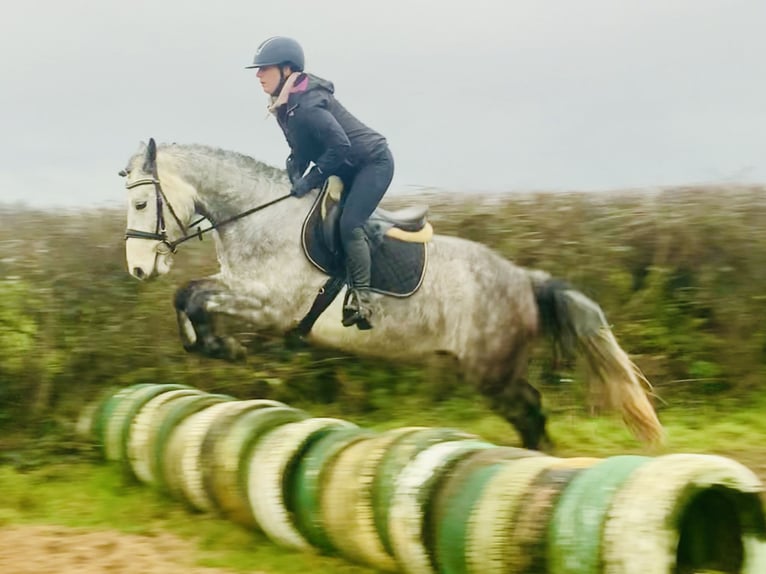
(160, 234)
(164, 245)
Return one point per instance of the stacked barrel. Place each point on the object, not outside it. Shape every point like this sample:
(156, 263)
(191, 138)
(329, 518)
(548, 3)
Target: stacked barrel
(432, 500)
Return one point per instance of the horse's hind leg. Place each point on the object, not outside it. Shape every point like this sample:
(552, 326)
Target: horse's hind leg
(443, 375)
(520, 404)
(513, 398)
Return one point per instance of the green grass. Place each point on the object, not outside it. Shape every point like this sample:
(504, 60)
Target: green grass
(710, 428)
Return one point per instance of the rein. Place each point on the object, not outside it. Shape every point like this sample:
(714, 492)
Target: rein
(160, 231)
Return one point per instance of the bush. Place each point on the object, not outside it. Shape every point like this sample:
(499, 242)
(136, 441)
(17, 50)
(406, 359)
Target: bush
(679, 272)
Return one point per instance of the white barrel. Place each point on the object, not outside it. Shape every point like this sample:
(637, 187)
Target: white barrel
(641, 533)
(412, 496)
(268, 471)
(143, 432)
(227, 459)
(347, 501)
(492, 516)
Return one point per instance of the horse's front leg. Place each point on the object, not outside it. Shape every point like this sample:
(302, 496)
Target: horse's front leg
(203, 305)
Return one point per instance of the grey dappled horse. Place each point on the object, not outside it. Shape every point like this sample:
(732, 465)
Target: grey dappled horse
(472, 304)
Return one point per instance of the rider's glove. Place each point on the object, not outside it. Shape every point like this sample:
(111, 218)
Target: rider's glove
(300, 187)
(312, 180)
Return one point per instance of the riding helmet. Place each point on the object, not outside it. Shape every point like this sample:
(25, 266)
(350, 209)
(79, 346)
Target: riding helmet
(277, 51)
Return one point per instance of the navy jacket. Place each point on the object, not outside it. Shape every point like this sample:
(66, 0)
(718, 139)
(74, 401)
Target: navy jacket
(319, 129)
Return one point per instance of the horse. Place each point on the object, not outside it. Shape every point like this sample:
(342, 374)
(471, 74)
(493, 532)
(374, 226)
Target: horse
(472, 304)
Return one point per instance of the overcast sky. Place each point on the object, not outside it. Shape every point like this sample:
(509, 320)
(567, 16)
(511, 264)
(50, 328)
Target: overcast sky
(485, 95)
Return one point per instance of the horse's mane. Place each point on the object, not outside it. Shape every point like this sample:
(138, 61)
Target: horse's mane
(194, 154)
(188, 170)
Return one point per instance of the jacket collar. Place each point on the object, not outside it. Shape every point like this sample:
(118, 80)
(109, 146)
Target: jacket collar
(292, 85)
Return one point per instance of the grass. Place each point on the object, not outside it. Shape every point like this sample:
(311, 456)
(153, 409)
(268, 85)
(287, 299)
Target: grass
(710, 427)
(99, 497)
(89, 494)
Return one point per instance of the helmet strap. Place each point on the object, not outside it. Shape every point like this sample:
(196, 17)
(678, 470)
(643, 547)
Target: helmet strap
(283, 94)
(282, 80)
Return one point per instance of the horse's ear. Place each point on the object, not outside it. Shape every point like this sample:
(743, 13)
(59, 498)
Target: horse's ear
(151, 155)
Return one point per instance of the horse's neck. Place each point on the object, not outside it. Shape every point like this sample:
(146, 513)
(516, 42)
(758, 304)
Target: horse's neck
(224, 193)
(258, 240)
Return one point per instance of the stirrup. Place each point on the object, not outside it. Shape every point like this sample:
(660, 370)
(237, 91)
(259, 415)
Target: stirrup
(356, 311)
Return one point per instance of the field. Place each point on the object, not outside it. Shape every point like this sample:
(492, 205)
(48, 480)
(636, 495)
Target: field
(679, 272)
(73, 513)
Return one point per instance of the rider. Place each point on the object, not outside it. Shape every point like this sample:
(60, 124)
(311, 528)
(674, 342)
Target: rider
(321, 131)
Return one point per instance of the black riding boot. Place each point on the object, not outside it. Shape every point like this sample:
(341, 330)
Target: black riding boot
(357, 306)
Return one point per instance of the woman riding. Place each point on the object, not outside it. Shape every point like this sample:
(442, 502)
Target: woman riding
(320, 131)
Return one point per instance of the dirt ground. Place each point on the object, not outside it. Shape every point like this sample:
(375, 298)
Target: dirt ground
(60, 550)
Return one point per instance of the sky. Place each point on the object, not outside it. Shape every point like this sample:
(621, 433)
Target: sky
(477, 96)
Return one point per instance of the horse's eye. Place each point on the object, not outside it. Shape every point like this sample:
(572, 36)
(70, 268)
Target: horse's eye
(140, 205)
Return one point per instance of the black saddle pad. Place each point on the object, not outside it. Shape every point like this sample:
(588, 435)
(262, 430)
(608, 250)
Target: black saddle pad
(398, 266)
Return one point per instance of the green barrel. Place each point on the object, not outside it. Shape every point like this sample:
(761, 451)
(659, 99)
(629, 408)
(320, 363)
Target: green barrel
(143, 432)
(527, 540)
(347, 500)
(165, 459)
(410, 511)
(577, 523)
(119, 424)
(495, 510)
(89, 422)
(105, 410)
(396, 458)
(270, 476)
(308, 486)
(454, 502)
(192, 456)
(227, 459)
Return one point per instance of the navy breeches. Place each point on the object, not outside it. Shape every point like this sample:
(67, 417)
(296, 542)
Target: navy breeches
(367, 189)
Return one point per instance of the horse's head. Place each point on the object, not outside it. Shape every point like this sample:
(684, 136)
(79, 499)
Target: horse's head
(158, 213)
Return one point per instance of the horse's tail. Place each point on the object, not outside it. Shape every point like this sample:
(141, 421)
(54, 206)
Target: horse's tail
(575, 322)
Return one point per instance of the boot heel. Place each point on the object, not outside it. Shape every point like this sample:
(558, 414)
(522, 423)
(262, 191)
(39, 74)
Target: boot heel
(363, 324)
(356, 311)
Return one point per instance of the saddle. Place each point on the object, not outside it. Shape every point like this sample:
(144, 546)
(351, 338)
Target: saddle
(397, 242)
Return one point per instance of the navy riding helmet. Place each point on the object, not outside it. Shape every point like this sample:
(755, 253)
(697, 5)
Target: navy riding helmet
(277, 51)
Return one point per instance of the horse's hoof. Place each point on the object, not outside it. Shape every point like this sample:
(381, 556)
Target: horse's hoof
(226, 348)
(295, 340)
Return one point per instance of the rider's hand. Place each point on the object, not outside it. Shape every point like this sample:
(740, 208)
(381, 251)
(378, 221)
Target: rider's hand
(301, 187)
(312, 180)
